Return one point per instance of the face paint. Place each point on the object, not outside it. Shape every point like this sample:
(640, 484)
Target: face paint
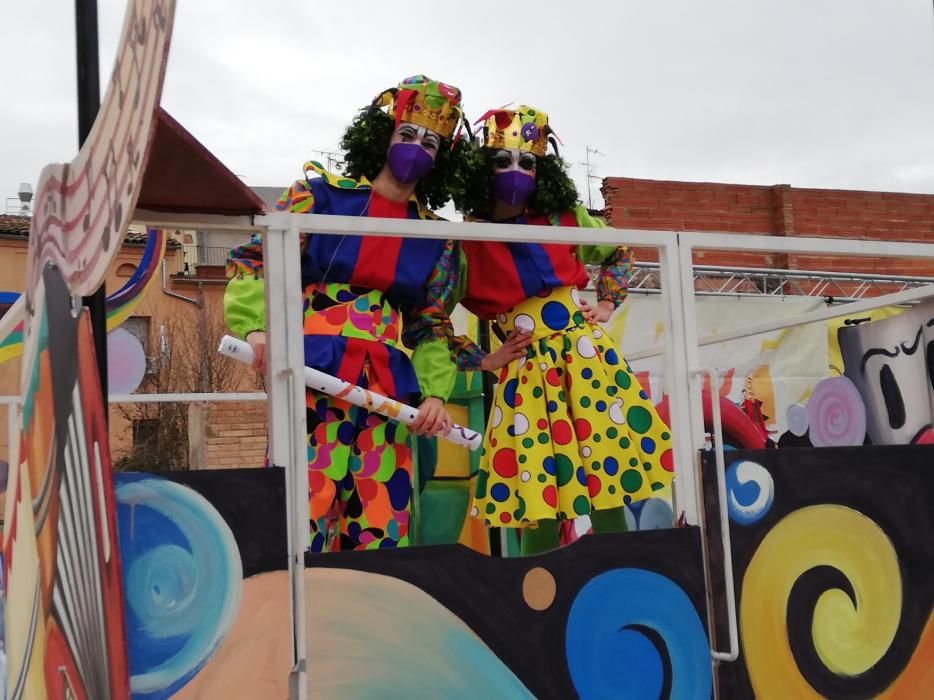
(412, 152)
(506, 159)
(513, 187)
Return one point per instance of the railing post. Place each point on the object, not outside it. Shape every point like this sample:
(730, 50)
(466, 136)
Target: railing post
(685, 411)
(725, 540)
(285, 382)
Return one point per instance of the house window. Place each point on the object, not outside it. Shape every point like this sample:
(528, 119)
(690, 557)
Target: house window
(145, 431)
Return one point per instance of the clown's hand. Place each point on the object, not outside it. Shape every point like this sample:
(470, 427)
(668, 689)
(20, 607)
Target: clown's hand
(432, 419)
(513, 348)
(597, 314)
(257, 341)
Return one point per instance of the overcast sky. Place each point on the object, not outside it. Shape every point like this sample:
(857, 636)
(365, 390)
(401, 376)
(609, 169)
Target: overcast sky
(815, 93)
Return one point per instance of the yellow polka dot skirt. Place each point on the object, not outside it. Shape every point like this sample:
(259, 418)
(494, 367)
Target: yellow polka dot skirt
(571, 430)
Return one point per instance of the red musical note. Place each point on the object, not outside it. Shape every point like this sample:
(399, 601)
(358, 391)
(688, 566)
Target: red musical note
(158, 15)
(86, 221)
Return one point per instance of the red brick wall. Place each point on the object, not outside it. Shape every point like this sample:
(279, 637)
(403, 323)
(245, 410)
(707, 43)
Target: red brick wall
(779, 210)
(868, 215)
(855, 214)
(235, 434)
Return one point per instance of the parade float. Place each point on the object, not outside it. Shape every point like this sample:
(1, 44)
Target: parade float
(795, 561)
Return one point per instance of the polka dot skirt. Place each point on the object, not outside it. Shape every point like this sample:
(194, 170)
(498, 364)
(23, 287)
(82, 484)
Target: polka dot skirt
(571, 430)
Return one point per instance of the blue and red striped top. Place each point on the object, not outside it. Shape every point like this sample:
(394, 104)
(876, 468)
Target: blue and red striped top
(398, 266)
(504, 274)
(371, 278)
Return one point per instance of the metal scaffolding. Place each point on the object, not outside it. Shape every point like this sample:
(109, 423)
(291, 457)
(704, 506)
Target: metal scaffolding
(712, 280)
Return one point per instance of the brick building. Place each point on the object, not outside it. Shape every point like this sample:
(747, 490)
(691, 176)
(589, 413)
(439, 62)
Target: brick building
(777, 210)
(177, 322)
(185, 311)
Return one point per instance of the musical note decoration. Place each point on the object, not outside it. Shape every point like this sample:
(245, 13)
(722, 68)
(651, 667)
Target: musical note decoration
(64, 613)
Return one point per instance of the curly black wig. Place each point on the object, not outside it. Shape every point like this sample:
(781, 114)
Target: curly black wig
(366, 142)
(471, 184)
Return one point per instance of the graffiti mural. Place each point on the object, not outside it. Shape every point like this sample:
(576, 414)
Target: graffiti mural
(888, 362)
(555, 622)
(190, 543)
(63, 621)
(207, 600)
(797, 387)
(127, 360)
(832, 553)
(760, 376)
(884, 394)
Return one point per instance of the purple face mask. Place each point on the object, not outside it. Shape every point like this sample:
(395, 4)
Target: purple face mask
(409, 162)
(513, 187)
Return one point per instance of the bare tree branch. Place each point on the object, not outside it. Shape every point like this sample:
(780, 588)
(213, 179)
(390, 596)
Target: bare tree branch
(186, 361)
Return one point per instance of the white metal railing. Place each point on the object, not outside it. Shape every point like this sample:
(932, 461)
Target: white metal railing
(188, 398)
(681, 349)
(13, 404)
(724, 520)
(165, 398)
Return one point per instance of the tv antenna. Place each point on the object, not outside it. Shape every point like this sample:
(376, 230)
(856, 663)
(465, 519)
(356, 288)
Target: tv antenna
(590, 175)
(332, 158)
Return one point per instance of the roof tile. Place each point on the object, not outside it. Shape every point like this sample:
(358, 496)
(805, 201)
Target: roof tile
(18, 225)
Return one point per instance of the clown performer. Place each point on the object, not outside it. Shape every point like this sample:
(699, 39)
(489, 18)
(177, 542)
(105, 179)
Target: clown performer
(356, 288)
(571, 431)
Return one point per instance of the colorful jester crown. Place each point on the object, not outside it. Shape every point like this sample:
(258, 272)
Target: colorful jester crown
(524, 128)
(425, 102)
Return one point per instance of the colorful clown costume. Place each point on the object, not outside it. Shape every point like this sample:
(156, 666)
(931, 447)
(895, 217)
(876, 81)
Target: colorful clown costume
(571, 431)
(355, 287)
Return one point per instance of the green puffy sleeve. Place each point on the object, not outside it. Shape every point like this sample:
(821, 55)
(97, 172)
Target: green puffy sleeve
(244, 297)
(591, 254)
(616, 262)
(434, 368)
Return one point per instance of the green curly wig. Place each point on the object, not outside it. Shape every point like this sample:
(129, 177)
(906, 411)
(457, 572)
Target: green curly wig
(472, 183)
(366, 142)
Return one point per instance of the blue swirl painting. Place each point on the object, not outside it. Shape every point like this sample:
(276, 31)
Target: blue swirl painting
(750, 492)
(182, 578)
(633, 633)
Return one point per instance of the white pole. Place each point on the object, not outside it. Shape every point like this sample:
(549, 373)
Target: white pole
(677, 380)
(287, 433)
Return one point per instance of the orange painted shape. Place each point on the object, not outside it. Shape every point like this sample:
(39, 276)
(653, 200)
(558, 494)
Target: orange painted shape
(917, 680)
